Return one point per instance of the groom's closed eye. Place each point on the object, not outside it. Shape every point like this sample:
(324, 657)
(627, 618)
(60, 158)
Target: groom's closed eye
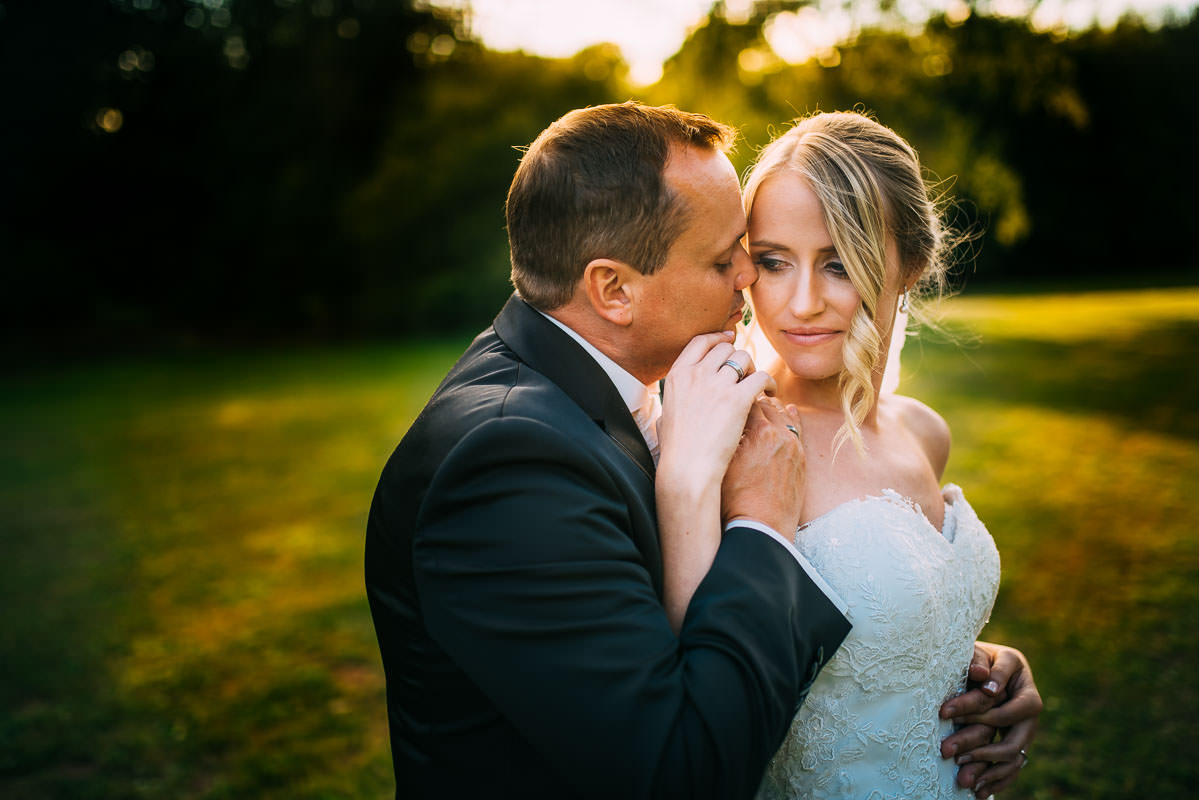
(725, 259)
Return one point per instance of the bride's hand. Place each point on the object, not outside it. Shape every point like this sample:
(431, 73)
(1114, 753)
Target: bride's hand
(704, 407)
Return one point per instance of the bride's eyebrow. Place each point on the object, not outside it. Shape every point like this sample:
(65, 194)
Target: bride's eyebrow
(831, 250)
(767, 245)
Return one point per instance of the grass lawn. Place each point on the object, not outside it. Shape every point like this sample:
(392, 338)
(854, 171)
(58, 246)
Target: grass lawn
(184, 614)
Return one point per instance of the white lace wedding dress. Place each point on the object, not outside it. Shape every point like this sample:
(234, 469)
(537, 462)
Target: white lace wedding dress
(917, 598)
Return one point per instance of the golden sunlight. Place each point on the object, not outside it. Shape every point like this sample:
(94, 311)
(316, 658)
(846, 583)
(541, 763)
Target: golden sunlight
(650, 33)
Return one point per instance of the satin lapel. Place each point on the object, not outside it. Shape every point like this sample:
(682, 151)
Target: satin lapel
(545, 348)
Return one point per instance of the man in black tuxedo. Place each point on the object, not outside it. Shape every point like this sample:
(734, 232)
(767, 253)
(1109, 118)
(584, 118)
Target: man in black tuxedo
(513, 562)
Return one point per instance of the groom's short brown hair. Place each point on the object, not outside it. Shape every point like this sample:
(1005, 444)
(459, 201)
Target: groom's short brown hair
(591, 186)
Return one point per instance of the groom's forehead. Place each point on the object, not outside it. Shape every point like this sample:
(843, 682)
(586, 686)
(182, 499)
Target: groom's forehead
(718, 215)
(710, 189)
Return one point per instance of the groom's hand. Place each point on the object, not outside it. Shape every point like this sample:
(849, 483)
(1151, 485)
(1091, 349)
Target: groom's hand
(1004, 700)
(765, 478)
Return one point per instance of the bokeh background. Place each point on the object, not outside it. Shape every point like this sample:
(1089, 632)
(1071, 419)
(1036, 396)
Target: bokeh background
(243, 239)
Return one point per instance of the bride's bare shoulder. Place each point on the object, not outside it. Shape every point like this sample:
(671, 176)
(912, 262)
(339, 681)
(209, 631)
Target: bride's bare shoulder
(927, 426)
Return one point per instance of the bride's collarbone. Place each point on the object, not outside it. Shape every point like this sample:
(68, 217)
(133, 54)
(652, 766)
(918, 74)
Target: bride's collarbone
(892, 462)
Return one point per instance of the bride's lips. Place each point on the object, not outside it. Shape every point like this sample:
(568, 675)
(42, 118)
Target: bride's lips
(808, 337)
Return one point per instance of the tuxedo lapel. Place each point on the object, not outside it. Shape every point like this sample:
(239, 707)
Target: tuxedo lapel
(544, 347)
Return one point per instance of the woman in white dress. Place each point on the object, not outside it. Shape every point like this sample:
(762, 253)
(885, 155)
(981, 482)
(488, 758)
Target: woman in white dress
(843, 233)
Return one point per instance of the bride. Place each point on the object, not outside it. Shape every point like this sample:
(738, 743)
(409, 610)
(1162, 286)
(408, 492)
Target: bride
(843, 234)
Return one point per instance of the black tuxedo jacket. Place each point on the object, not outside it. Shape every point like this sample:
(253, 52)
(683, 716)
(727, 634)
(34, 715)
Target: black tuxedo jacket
(515, 579)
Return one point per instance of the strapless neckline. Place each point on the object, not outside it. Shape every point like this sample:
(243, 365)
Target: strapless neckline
(950, 493)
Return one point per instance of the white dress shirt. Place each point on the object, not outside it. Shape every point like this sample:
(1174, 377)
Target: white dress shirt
(634, 392)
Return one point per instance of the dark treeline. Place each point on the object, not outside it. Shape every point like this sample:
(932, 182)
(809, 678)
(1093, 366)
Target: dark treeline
(232, 170)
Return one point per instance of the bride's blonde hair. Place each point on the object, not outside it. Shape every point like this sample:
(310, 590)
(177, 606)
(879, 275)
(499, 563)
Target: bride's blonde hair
(870, 187)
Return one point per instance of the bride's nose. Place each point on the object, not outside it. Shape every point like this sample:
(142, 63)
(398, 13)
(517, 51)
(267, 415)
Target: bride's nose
(806, 299)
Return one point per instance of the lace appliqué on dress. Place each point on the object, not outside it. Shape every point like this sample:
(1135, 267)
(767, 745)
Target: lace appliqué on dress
(917, 598)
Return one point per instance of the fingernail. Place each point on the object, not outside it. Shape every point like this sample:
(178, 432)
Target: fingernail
(991, 686)
(950, 711)
(953, 751)
(964, 759)
(978, 788)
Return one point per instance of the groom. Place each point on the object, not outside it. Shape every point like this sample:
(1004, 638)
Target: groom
(512, 561)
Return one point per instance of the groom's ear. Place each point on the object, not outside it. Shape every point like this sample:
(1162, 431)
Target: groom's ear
(610, 288)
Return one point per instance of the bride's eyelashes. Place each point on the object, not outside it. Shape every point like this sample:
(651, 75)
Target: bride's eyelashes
(770, 263)
(837, 269)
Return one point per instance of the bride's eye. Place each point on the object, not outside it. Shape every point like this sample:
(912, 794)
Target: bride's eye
(771, 264)
(836, 268)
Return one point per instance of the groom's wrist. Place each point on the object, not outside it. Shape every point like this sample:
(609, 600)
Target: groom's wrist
(757, 525)
(761, 513)
(744, 521)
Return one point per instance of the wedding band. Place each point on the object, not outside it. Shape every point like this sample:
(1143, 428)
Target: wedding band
(795, 430)
(736, 368)
(1025, 764)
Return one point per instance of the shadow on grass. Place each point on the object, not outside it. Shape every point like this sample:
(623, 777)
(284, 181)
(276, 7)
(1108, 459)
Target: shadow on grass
(182, 574)
(1148, 381)
(70, 607)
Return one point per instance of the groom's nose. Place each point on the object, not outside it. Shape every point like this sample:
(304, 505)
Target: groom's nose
(746, 272)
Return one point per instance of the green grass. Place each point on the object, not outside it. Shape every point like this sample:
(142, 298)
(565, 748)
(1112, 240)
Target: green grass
(184, 612)
(181, 572)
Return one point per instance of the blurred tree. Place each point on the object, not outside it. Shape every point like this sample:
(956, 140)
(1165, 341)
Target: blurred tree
(953, 96)
(430, 216)
(181, 161)
(1114, 196)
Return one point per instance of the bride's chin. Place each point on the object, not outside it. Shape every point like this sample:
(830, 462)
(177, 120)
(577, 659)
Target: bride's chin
(804, 370)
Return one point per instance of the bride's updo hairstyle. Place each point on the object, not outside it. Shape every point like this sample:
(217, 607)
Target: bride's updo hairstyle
(870, 187)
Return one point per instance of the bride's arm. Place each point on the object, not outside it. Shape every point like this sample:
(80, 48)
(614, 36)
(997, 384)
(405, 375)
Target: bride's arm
(689, 524)
(704, 408)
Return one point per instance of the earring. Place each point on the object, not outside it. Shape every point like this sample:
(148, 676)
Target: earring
(903, 302)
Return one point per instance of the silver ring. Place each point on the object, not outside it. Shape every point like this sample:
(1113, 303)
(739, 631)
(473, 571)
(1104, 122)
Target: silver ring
(736, 368)
(1025, 764)
(795, 430)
